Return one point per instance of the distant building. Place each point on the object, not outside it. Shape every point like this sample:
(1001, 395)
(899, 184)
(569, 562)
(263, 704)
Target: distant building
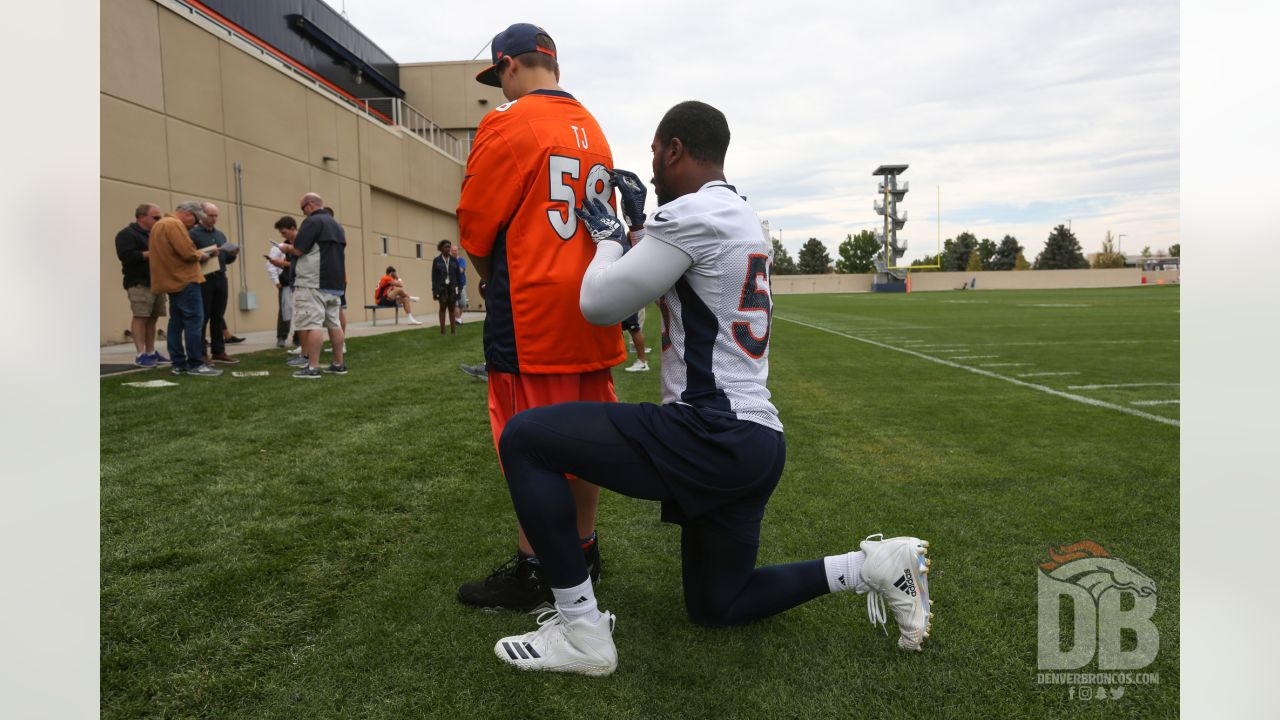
(301, 100)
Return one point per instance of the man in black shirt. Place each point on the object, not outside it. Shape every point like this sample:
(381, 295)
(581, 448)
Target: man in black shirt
(205, 234)
(132, 249)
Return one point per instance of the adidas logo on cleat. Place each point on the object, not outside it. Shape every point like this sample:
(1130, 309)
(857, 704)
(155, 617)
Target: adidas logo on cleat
(906, 583)
(841, 580)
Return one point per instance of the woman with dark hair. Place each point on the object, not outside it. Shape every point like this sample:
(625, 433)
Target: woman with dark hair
(445, 281)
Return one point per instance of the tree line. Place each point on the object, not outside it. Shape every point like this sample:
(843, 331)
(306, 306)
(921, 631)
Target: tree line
(963, 253)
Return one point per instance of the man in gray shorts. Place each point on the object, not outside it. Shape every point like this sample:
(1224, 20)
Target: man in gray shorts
(133, 250)
(318, 255)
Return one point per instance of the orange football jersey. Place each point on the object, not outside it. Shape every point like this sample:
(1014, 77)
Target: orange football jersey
(533, 163)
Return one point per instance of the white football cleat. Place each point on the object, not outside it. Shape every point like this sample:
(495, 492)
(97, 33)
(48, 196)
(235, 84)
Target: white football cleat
(559, 645)
(896, 570)
(639, 366)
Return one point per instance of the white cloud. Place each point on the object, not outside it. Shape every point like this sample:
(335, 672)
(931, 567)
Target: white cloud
(1018, 111)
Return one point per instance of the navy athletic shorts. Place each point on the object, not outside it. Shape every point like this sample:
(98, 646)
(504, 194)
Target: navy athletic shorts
(717, 469)
(632, 323)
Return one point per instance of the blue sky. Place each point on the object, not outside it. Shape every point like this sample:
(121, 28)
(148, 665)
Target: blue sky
(1019, 115)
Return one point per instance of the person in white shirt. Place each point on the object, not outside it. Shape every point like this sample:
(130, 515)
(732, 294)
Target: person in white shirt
(713, 451)
(280, 274)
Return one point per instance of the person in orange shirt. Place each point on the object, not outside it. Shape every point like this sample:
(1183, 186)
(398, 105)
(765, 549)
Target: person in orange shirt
(390, 292)
(534, 161)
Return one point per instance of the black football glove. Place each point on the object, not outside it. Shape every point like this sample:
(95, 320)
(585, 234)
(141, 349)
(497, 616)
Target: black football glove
(601, 223)
(633, 193)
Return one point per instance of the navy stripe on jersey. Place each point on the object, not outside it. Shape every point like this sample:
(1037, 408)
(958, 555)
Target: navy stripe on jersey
(700, 330)
(499, 323)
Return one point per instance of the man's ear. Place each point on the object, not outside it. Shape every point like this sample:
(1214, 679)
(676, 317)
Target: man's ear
(675, 151)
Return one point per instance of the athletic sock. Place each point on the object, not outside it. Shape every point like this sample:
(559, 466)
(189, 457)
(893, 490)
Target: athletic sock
(844, 572)
(577, 602)
(589, 540)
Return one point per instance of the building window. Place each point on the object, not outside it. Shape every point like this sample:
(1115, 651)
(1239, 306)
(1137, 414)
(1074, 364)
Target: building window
(419, 250)
(386, 245)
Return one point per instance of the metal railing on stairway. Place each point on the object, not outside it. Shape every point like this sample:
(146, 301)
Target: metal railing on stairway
(411, 119)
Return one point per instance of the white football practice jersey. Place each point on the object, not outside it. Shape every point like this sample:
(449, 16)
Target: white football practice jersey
(717, 317)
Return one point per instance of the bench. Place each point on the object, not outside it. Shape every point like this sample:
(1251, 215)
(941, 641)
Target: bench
(376, 308)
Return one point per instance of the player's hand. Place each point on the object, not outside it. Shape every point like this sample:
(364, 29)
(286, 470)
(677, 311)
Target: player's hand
(633, 193)
(601, 223)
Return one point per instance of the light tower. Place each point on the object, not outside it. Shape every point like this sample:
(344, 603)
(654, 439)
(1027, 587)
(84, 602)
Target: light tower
(889, 277)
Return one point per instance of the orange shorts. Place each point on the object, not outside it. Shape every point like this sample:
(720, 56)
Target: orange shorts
(509, 393)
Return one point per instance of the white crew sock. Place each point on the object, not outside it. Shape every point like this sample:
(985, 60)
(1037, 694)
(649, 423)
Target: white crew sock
(578, 602)
(844, 572)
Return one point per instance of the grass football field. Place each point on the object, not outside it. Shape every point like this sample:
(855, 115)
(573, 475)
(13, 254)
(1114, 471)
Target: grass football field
(273, 548)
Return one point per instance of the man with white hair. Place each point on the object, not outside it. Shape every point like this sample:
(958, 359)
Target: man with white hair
(206, 235)
(175, 270)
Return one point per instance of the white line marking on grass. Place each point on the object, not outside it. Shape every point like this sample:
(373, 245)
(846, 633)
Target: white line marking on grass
(1051, 305)
(1046, 374)
(1004, 364)
(1156, 402)
(1120, 385)
(996, 376)
(974, 357)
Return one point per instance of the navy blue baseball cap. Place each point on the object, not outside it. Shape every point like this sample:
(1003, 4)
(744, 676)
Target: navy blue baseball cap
(515, 40)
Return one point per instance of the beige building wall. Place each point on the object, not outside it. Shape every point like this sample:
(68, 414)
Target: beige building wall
(181, 105)
(987, 280)
(447, 92)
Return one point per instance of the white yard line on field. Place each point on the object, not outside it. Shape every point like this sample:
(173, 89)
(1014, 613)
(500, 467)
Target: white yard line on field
(1121, 385)
(1047, 374)
(1003, 364)
(995, 376)
(974, 357)
(1156, 402)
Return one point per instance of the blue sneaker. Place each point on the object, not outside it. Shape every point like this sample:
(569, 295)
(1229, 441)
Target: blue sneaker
(297, 361)
(160, 359)
(144, 361)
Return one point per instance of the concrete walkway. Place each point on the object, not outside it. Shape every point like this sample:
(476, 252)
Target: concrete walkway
(123, 354)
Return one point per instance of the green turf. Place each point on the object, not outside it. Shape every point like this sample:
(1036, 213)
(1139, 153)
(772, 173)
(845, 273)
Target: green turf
(284, 549)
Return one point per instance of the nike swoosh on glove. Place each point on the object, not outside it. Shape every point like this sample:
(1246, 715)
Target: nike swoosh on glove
(633, 193)
(601, 223)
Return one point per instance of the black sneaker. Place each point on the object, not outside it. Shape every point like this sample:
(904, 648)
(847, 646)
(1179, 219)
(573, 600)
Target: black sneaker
(518, 584)
(308, 373)
(593, 560)
(336, 369)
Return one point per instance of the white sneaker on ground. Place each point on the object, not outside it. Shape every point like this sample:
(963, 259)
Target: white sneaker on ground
(896, 570)
(414, 298)
(639, 366)
(559, 645)
(297, 350)
(414, 321)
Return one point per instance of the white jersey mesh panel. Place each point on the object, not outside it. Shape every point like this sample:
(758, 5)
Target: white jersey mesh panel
(716, 319)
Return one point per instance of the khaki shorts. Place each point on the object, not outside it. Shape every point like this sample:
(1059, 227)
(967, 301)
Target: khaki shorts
(144, 304)
(314, 310)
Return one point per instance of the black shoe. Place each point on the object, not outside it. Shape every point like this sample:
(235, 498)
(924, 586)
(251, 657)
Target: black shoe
(518, 584)
(593, 560)
(233, 340)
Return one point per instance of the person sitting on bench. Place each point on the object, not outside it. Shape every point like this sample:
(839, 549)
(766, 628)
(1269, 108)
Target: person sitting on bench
(391, 292)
